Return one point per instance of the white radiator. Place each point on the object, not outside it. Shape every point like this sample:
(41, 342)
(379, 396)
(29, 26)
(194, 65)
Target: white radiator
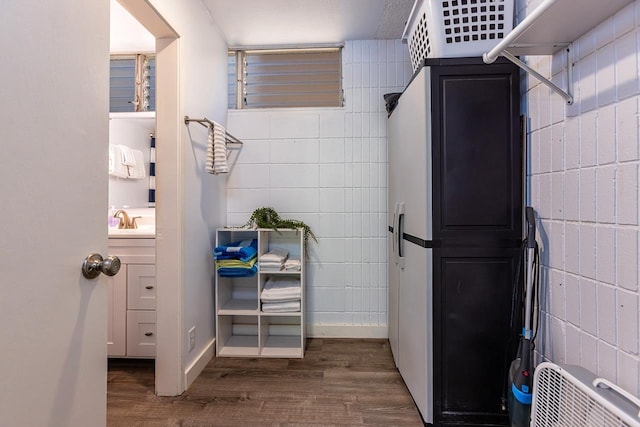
(571, 396)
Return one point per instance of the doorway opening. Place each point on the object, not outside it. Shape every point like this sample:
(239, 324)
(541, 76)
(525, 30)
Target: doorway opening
(168, 242)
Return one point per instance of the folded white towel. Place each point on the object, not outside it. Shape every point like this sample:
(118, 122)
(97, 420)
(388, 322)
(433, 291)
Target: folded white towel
(277, 283)
(128, 157)
(290, 296)
(281, 307)
(119, 170)
(278, 267)
(271, 263)
(281, 289)
(137, 171)
(293, 265)
(274, 255)
(289, 288)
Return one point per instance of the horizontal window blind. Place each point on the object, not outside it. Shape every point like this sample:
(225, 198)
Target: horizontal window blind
(132, 83)
(122, 84)
(231, 81)
(292, 78)
(152, 84)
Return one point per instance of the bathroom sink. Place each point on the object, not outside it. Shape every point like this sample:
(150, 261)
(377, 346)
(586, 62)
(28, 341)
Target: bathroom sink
(143, 231)
(146, 221)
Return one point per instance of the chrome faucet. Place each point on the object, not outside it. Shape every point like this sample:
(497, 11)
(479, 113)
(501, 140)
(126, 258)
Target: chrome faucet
(126, 222)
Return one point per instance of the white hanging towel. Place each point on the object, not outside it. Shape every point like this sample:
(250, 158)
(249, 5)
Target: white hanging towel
(128, 158)
(119, 169)
(137, 171)
(216, 162)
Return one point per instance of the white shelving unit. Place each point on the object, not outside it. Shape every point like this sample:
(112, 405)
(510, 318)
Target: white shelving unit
(242, 328)
(550, 27)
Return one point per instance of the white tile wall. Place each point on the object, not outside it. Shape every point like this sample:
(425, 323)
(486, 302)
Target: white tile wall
(588, 134)
(572, 299)
(572, 248)
(583, 175)
(327, 167)
(606, 313)
(572, 345)
(627, 320)
(627, 371)
(627, 258)
(589, 352)
(588, 306)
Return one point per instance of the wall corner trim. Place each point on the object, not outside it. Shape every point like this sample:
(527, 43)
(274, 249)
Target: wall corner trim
(198, 365)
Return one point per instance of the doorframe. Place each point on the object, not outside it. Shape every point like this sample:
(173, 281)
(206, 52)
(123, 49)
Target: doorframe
(169, 378)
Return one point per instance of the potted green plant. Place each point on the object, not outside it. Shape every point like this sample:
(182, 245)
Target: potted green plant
(267, 217)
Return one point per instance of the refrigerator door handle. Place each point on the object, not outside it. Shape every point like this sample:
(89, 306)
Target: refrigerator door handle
(400, 235)
(394, 240)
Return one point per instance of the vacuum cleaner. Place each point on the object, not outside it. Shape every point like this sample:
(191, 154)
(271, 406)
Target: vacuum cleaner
(520, 375)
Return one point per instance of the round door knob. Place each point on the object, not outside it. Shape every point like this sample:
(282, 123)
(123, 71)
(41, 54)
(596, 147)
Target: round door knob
(94, 264)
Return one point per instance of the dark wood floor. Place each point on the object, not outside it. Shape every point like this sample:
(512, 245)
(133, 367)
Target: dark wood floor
(347, 382)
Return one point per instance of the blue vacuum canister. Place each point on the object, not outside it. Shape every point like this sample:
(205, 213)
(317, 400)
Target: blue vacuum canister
(520, 393)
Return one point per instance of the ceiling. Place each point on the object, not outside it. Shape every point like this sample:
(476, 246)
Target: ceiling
(296, 22)
(127, 34)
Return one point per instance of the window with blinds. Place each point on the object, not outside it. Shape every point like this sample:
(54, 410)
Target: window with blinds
(132, 83)
(285, 78)
(122, 84)
(232, 83)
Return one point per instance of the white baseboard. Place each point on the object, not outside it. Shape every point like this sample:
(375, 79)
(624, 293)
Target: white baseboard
(196, 367)
(347, 331)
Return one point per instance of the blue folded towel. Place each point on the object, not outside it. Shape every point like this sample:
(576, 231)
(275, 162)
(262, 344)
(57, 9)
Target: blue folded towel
(243, 250)
(238, 272)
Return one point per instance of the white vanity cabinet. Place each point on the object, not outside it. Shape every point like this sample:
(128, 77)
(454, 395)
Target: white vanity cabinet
(132, 299)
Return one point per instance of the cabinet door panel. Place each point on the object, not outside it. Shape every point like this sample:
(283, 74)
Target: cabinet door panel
(117, 314)
(141, 287)
(415, 325)
(477, 155)
(472, 300)
(141, 333)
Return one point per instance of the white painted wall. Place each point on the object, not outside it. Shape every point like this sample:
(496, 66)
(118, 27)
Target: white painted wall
(203, 92)
(584, 186)
(327, 167)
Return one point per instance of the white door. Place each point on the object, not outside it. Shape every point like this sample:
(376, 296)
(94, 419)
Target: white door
(393, 142)
(410, 278)
(53, 190)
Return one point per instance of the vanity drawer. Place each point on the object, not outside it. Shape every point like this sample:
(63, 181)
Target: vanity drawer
(141, 287)
(141, 333)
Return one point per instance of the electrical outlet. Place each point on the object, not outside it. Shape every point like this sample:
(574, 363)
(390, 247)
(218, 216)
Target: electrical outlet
(192, 338)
